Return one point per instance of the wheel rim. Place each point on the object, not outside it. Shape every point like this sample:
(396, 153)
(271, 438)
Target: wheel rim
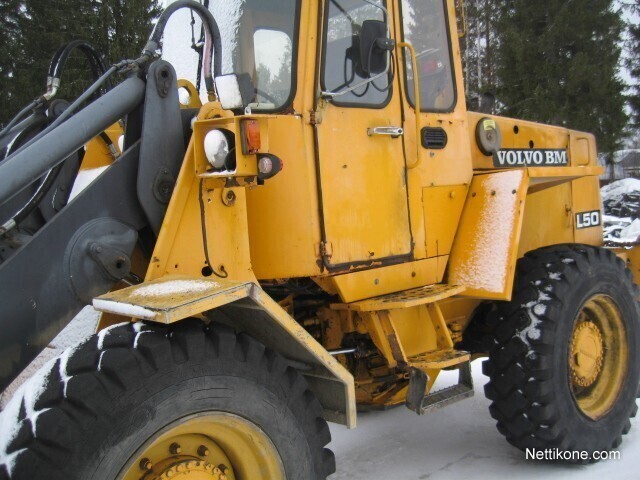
(598, 357)
(207, 446)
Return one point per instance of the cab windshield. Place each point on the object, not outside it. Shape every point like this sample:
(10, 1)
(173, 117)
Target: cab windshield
(258, 38)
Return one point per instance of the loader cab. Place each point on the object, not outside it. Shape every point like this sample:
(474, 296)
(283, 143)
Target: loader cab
(378, 181)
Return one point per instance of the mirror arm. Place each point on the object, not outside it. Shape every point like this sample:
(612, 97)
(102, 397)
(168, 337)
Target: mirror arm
(358, 85)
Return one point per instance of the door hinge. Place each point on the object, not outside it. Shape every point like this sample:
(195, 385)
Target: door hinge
(315, 117)
(326, 249)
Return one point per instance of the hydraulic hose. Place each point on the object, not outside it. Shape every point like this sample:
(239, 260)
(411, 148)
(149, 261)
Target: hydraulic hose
(59, 61)
(213, 40)
(33, 202)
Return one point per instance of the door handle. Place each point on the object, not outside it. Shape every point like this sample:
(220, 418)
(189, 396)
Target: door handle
(394, 132)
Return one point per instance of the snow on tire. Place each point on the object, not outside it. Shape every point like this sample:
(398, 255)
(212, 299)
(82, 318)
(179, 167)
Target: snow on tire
(89, 412)
(564, 369)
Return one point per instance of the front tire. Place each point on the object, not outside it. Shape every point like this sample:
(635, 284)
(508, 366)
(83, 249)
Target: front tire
(564, 369)
(147, 401)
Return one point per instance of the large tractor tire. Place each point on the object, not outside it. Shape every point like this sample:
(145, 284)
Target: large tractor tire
(149, 402)
(564, 368)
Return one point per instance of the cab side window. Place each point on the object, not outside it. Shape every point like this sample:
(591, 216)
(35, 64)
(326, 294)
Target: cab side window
(426, 27)
(343, 24)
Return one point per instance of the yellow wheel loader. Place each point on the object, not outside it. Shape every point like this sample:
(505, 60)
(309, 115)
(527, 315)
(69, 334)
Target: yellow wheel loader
(326, 234)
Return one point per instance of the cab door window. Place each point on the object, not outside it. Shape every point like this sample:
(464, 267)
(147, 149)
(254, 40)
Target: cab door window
(425, 25)
(342, 28)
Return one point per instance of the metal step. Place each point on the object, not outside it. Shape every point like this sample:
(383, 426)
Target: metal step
(439, 359)
(404, 299)
(423, 404)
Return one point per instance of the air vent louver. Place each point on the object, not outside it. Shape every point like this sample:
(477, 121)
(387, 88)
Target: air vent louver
(434, 138)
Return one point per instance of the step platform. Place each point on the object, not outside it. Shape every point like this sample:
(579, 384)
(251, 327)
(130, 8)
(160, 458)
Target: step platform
(404, 299)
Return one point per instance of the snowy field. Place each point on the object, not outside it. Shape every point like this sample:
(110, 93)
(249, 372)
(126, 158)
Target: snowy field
(460, 441)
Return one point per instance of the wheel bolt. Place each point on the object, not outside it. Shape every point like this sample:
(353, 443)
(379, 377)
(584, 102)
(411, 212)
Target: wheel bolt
(203, 451)
(175, 449)
(145, 464)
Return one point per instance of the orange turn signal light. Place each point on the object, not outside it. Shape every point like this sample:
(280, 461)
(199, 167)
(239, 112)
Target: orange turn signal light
(250, 130)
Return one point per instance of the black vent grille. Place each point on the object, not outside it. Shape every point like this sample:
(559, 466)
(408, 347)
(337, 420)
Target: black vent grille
(434, 138)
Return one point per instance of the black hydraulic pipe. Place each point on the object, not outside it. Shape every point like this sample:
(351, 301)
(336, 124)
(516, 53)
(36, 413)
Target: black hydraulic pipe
(19, 170)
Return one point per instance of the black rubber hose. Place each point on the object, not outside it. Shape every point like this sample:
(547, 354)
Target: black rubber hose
(59, 61)
(35, 200)
(213, 39)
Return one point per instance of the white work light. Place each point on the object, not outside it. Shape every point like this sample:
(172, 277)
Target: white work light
(216, 148)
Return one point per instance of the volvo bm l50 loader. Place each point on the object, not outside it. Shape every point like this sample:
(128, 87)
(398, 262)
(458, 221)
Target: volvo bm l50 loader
(327, 234)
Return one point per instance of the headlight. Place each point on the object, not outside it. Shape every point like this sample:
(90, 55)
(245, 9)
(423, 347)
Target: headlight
(216, 148)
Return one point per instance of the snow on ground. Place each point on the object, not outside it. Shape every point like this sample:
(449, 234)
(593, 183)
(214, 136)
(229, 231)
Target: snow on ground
(460, 441)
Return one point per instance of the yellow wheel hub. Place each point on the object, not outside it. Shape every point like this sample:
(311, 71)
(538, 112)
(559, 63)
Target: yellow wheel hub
(193, 470)
(598, 357)
(587, 354)
(208, 446)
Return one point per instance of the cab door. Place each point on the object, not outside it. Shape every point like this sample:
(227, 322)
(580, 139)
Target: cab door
(361, 159)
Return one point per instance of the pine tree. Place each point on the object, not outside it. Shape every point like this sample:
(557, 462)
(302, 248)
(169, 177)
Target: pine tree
(558, 63)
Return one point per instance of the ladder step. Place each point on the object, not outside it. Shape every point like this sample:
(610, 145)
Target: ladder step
(445, 397)
(439, 359)
(423, 404)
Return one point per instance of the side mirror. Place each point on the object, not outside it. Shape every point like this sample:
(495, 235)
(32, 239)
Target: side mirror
(235, 91)
(375, 46)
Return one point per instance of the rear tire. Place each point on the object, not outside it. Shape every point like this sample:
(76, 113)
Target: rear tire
(99, 410)
(564, 370)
